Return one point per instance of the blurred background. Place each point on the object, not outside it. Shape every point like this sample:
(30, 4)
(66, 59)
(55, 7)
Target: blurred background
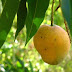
(15, 57)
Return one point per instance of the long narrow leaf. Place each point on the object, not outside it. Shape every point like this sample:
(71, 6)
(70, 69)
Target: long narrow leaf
(3, 2)
(6, 18)
(66, 6)
(36, 13)
(21, 16)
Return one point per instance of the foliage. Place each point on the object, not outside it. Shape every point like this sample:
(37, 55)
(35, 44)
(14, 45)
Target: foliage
(21, 16)
(29, 12)
(67, 12)
(6, 18)
(36, 13)
(14, 56)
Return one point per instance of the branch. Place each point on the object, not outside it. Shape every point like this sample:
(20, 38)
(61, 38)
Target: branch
(57, 7)
(67, 29)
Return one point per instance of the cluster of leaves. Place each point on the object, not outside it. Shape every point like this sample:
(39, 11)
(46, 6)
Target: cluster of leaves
(29, 12)
(32, 16)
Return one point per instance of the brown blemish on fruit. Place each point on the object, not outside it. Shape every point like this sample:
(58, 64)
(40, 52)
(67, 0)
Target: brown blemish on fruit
(41, 36)
(55, 39)
(45, 49)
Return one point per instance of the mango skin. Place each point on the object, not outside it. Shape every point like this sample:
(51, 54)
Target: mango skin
(52, 43)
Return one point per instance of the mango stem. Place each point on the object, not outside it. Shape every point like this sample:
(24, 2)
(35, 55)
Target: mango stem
(52, 13)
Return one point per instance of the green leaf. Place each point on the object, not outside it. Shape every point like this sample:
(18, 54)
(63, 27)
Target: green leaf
(21, 16)
(66, 6)
(6, 18)
(3, 2)
(36, 13)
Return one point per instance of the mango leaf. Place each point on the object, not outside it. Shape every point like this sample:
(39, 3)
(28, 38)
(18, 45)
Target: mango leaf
(21, 16)
(6, 18)
(66, 6)
(3, 2)
(36, 13)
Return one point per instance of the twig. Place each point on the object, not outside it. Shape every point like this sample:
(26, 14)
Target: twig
(67, 29)
(57, 7)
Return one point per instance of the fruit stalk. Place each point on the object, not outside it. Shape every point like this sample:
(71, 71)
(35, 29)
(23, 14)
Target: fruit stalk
(52, 13)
